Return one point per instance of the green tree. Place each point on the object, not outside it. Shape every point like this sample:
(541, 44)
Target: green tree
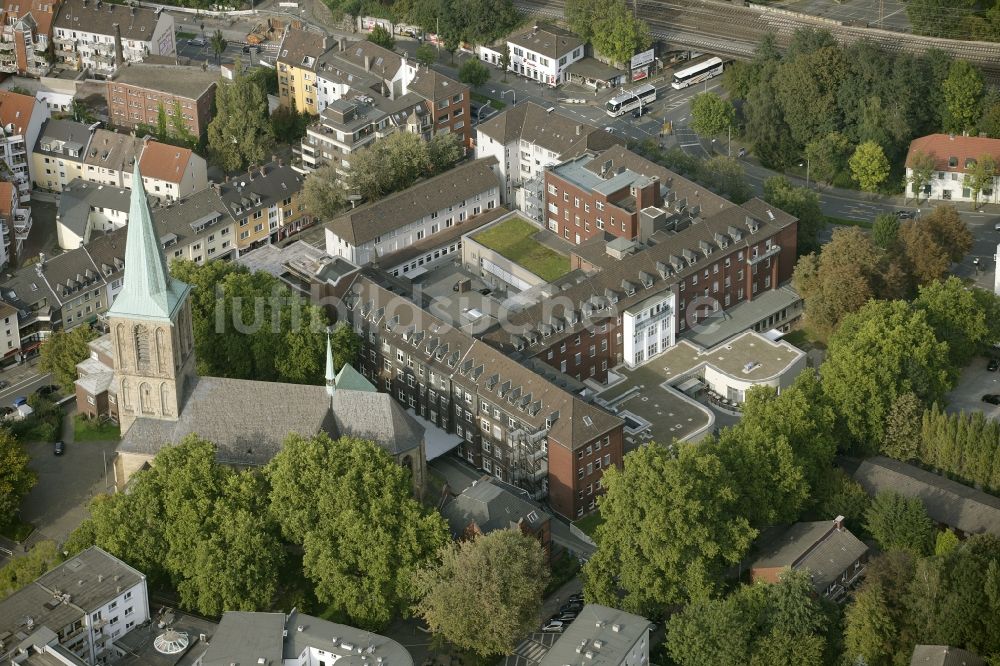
(161, 123)
(473, 72)
(580, 16)
(980, 177)
(840, 495)
(807, 88)
(179, 128)
(289, 125)
(900, 523)
(727, 176)
(882, 351)
(902, 428)
(485, 594)
(240, 134)
(933, 242)
(670, 528)
(869, 629)
(957, 316)
(322, 193)
(869, 166)
(801, 202)
(23, 570)
(444, 151)
(505, 61)
(348, 504)
(346, 345)
(945, 542)
(828, 155)
(61, 351)
(922, 167)
(250, 325)
(962, 91)
(388, 165)
(16, 479)
(617, 35)
(219, 44)
(885, 230)
(938, 18)
(379, 35)
(710, 114)
(426, 55)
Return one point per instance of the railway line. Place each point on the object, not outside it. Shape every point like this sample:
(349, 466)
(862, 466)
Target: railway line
(735, 30)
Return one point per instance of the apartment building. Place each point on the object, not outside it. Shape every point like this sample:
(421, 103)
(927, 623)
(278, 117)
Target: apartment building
(515, 425)
(430, 206)
(15, 222)
(451, 101)
(298, 61)
(139, 91)
(688, 256)
(10, 335)
(199, 228)
(528, 138)
(954, 157)
(103, 36)
(170, 172)
(348, 125)
(87, 602)
(59, 153)
(110, 157)
(22, 117)
(541, 53)
(27, 32)
(267, 204)
(86, 210)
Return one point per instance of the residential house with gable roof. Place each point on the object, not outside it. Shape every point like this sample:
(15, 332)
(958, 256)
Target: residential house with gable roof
(21, 117)
(171, 172)
(59, 153)
(954, 157)
(541, 53)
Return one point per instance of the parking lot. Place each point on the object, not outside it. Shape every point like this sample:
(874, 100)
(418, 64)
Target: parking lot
(975, 382)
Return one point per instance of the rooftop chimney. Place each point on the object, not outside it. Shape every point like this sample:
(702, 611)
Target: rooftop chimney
(367, 62)
(838, 523)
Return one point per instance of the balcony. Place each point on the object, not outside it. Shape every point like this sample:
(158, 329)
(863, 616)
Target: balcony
(65, 46)
(8, 67)
(37, 71)
(6, 46)
(769, 252)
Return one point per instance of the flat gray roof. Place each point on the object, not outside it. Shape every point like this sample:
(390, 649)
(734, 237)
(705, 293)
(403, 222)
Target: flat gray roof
(742, 317)
(615, 631)
(177, 80)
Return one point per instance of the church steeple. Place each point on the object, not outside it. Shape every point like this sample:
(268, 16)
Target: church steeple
(149, 291)
(331, 376)
(150, 324)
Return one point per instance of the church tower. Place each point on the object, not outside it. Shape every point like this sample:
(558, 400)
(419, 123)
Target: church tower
(150, 322)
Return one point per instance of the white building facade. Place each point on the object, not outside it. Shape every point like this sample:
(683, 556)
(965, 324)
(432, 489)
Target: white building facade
(102, 36)
(955, 159)
(648, 329)
(540, 53)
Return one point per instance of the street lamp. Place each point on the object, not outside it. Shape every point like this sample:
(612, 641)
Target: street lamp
(807, 169)
(512, 92)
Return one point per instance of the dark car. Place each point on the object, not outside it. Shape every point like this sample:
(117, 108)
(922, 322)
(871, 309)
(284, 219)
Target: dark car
(571, 607)
(20, 400)
(992, 398)
(59, 448)
(251, 49)
(905, 214)
(641, 111)
(4, 383)
(46, 391)
(576, 596)
(993, 365)
(564, 617)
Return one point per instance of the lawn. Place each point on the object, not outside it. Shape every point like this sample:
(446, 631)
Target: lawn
(864, 224)
(92, 430)
(513, 239)
(185, 35)
(804, 338)
(483, 99)
(588, 524)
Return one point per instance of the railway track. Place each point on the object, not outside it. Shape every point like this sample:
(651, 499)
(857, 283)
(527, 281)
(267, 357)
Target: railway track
(735, 30)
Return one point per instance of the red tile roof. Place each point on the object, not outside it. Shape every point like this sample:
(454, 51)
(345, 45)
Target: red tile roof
(42, 11)
(15, 109)
(162, 161)
(952, 152)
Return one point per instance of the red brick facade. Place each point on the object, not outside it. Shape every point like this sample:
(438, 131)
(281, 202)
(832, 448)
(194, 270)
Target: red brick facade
(578, 215)
(131, 106)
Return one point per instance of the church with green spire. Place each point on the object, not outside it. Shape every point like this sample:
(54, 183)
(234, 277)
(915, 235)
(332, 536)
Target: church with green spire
(154, 391)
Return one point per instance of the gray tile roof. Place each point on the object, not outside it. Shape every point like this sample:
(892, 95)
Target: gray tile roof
(819, 547)
(70, 274)
(946, 501)
(595, 624)
(60, 135)
(174, 222)
(297, 45)
(565, 136)
(943, 655)
(491, 508)
(112, 150)
(367, 222)
(547, 40)
(136, 23)
(381, 61)
(251, 191)
(90, 579)
(177, 80)
(433, 85)
(248, 421)
(80, 197)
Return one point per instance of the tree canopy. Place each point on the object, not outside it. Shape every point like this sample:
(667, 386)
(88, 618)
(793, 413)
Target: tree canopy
(16, 479)
(363, 537)
(62, 350)
(801, 202)
(250, 325)
(900, 523)
(397, 161)
(484, 594)
(323, 194)
(609, 26)
(240, 134)
(21, 571)
(710, 114)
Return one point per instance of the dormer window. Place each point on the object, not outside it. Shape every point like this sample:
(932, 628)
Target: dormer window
(952, 162)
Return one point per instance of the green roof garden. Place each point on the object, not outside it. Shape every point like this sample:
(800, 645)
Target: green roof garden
(515, 240)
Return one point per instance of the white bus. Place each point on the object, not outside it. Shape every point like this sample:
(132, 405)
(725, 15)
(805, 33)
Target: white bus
(698, 72)
(631, 99)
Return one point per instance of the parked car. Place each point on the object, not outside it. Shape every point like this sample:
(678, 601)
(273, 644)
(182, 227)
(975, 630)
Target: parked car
(993, 365)
(571, 607)
(251, 49)
(59, 449)
(554, 626)
(905, 214)
(20, 400)
(6, 411)
(46, 391)
(641, 111)
(576, 596)
(564, 617)
(992, 398)
(996, 227)
(609, 129)
(196, 41)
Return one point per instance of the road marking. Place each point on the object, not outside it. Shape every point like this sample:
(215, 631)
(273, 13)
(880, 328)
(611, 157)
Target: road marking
(688, 145)
(13, 388)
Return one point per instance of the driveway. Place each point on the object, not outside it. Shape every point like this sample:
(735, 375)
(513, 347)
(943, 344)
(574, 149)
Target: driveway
(58, 503)
(975, 381)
